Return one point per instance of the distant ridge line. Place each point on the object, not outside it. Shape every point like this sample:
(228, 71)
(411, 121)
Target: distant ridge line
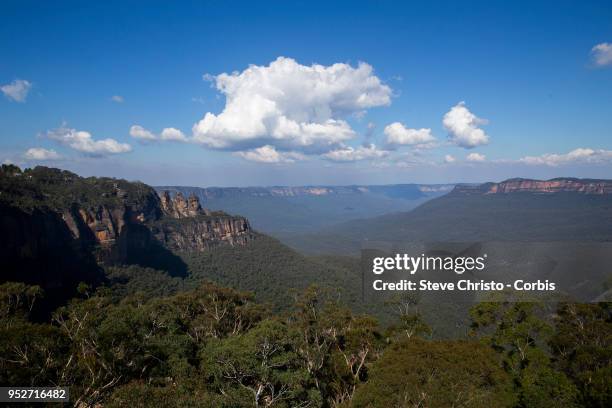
(555, 185)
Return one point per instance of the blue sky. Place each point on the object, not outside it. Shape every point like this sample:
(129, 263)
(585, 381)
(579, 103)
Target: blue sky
(535, 79)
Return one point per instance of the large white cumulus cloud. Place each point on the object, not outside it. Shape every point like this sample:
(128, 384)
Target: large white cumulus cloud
(290, 106)
(464, 127)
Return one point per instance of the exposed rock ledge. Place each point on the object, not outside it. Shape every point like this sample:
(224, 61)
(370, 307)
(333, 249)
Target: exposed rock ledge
(186, 226)
(557, 185)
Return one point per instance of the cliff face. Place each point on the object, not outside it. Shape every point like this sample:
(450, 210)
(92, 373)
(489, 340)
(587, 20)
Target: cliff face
(558, 185)
(105, 219)
(409, 191)
(186, 226)
(201, 233)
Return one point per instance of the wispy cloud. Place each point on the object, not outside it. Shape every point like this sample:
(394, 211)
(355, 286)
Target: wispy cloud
(348, 153)
(449, 159)
(41, 154)
(17, 90)
(167, 134)
(580, 155)
(602, 54)
(475, 157)
(269, 154)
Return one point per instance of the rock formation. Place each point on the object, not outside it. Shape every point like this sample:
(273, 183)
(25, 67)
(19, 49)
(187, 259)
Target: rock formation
(557, 185)
(178, 207)
(106, 217)
(186, 226)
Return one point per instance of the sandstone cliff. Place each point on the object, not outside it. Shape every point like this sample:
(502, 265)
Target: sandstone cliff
(107, 218)
(558, 185)
(186, 226)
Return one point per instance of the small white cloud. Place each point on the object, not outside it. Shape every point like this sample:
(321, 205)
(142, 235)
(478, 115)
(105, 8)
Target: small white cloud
(348, 153)
(138, 132)
(173, 134)
(580, 155)
(449, 159)
(463, 127)
(269, 154)
(82, 141)
(475, 157)
(602, 54)
(290, 106)
(39, 153)
(17, 90)
(398, 134)
(167, 134)
(117, 98)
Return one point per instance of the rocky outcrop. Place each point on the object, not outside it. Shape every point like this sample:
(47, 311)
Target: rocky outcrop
(188, 227)
(177, 223)
(58, 229)
(109, 218)
(202, 233)
(178, 207)
(558, 185)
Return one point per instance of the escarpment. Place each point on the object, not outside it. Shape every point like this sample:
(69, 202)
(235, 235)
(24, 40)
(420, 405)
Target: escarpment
(186, 226)
(60, 227)
(557, 185)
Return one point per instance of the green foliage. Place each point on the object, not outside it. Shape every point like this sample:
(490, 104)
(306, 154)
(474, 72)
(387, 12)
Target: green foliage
(410, 322)
(260, 368)
(128, 280)
(138, 394)
(336, 347)
(215, 347)
(44, 187)
(270, 270)
(519, 332)
(418, 373)
(582, 348)
(30, 353)
(17, 300)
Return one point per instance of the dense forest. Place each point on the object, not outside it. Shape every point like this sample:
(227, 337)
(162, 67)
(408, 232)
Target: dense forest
(216, 347)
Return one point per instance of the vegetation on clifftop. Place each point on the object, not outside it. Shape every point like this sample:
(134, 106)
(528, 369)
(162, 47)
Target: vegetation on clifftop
(44, 187)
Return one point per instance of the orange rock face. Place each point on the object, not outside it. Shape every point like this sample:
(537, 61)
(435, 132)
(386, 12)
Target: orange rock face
(553, 186)
(178, 207)
(559, 185)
